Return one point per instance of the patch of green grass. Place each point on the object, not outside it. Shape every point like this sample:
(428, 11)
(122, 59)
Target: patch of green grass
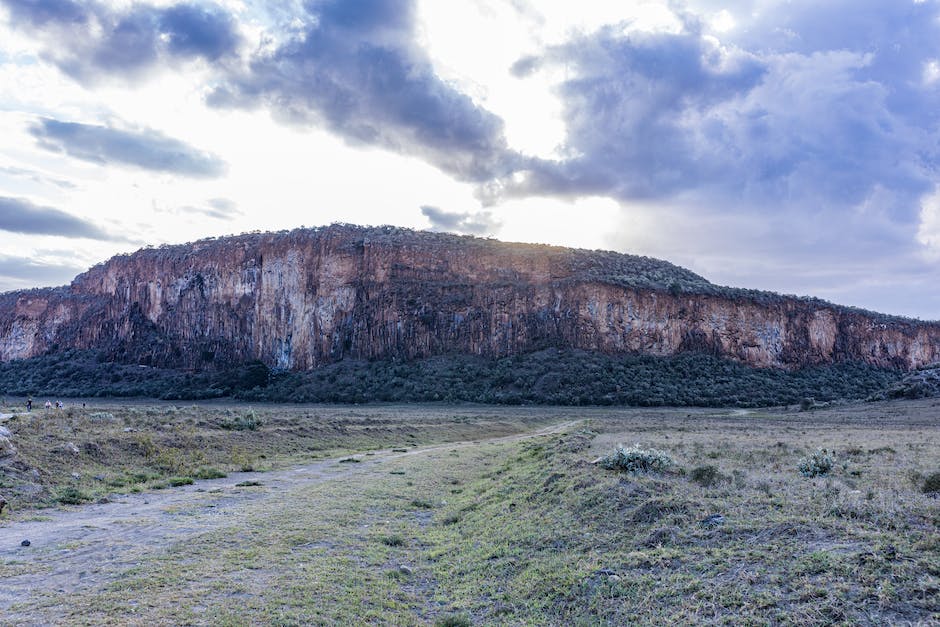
(392, 540)
(172, 482)
(931, 483)
(454, 620)
(209, 473)
(71, 495)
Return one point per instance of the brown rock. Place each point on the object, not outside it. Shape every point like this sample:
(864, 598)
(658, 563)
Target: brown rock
(307, 297)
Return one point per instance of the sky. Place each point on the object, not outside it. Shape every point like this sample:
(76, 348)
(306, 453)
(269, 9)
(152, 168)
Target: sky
(791, 146)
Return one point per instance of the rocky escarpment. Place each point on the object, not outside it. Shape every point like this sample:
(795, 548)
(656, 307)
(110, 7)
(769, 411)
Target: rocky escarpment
(304, 298)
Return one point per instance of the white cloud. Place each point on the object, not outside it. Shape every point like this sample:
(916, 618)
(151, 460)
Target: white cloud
(792, 136)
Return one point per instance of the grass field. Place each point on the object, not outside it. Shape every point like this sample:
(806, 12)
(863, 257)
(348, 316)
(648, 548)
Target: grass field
(388, 523)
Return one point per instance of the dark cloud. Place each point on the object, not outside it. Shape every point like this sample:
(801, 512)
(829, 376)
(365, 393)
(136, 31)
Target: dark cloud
(18, 215)
(89, 40)
(814, 114)
(354, 69)
(145, 149)
(20, 272)
(637, 112)
(198, 31)
(479, 223)
(815, 104)
(40, 13)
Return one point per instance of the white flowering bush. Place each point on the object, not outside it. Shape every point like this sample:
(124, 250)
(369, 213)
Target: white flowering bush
(636, 459)
(818, 464)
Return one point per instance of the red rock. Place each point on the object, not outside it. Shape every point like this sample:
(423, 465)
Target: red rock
(303, 298)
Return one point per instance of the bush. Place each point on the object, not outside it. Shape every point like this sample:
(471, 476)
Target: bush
(818, 464)
(209, 473)
(705, 475)
(392, 540)
(249, 421)
(71, 496)
(636, 459)
(548, 376)
(931, 483)
(454, 620)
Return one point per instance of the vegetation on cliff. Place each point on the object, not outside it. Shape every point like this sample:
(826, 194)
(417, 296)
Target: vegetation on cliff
(545, 377)
(921, 383)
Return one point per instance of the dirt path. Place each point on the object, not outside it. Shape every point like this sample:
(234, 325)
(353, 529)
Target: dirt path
(87, 547)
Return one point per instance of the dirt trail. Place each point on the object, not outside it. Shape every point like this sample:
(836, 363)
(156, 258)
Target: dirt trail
(88, 547)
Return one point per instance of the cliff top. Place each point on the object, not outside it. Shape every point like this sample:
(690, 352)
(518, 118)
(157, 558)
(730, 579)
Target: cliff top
(626, 270)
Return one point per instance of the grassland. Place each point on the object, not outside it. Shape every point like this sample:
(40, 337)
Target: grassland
(510, 531)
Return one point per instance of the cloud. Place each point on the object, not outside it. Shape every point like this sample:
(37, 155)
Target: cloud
(223, 208)
(20, 272)
(353, 68)
(218, 208)
(814, 117)
(37, 177)
(89, 40)
(18, 215)
(145, 149)
(466, 223)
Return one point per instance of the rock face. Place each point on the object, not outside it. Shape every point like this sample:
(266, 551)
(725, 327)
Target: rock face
(300, 299)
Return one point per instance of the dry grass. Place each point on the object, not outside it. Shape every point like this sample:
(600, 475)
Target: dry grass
(533, 533)
(82, 454)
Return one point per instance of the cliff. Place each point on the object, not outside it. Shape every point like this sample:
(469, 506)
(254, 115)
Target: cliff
(301, 299)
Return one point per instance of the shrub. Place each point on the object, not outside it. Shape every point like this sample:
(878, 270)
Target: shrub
(393, 540)
(209, 473)
(249, 421)
(818, 464)
(636, 459)
(931, 483)
(705, 475)
(71, 496)
(454, 620)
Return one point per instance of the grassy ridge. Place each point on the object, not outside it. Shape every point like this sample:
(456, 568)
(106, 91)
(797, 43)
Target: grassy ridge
(545, 377)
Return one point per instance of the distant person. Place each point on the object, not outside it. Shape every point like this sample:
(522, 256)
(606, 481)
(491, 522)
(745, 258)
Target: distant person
(48, 405)
(29, 404)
